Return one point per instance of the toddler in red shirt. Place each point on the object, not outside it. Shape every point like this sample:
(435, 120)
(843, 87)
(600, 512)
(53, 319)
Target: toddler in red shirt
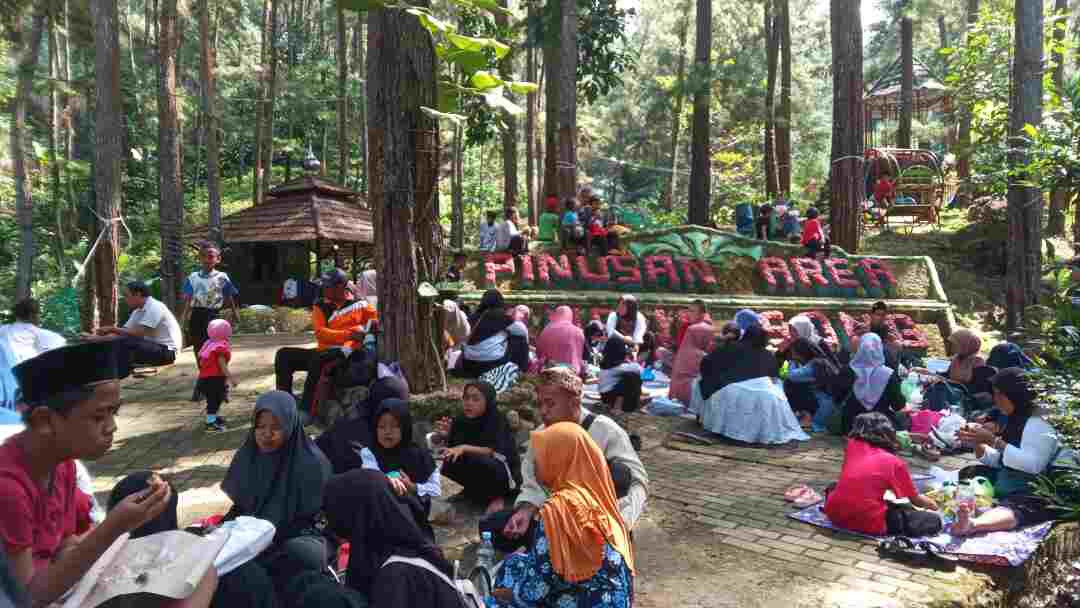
(871, 467)
(813, 237)
(214, 357)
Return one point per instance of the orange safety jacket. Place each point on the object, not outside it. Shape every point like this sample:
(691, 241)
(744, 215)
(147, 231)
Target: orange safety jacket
(335, 326)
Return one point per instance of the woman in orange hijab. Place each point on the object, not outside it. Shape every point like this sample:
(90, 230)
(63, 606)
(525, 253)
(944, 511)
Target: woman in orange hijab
(581, 553)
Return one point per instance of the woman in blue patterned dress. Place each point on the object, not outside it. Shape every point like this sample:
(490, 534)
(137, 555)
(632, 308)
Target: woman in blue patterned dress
(581, 555)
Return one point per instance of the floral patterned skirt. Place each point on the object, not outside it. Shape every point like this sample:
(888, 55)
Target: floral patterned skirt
(535, 583)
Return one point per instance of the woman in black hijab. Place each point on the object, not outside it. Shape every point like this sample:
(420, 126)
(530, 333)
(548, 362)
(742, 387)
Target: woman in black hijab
(495, 339)
(278, 475)
(343, 442)
(619, 380)
(737, 361)
(1026, 449)
(481, 453)
(360, 507)
(409, 469)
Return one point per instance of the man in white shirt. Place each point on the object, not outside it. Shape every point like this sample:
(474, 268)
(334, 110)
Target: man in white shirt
(559, 400)
(24, 337)
(152, 334)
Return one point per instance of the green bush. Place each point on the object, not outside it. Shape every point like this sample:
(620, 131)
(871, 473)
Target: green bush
(275, 320)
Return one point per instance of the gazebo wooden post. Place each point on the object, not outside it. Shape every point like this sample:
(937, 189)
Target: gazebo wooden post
(318, 255)
(355, 265)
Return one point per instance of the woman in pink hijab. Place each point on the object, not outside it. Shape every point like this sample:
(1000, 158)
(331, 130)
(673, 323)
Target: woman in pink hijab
(698, 342)
(562, 342)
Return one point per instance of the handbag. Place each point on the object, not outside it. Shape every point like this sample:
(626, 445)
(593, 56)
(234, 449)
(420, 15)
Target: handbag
(466, 591)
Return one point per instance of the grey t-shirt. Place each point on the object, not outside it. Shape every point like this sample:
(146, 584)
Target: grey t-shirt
(159, 320)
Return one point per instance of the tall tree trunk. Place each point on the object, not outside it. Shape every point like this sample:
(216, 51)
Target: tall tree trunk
(677, 112)
(568, 55)
(55, 135)
(404, 174)
(359, 69)
(108, 152)
(457, 192)
(260, 102)
(783, 119)
(551, 100)
(963, 134)
(772, 41)
(510, 133)
(845, 175)
(170, 169)
(207, 67)
(907, 82)
(271, 94)
(26, 64)
(343, 101)
(943, 41)
(530, 125)
(1025, 202)
(1059, 197)
(700, 156)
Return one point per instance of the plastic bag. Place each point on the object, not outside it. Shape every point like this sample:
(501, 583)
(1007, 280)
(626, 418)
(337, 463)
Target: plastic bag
(662, 406)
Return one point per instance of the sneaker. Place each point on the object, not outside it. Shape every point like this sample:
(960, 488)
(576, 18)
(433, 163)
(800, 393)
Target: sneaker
(217, 426)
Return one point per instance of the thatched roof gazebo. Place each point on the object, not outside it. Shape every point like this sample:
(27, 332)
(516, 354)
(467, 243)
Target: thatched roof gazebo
(299, 224)
(882, 101)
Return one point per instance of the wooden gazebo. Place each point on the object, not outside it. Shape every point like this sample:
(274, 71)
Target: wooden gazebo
(299, 224)
(882, 102)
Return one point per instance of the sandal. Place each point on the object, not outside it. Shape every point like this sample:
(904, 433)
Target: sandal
(808, 498)
(925, 553)
(795, 492)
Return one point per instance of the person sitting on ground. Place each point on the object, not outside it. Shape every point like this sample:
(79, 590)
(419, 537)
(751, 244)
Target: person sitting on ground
(699, 340)
(549, 220)
(488, 232)
(247, 586)
(813, 237)
(278, 475)
(875, 387)
(697, 312)
(214, 374)
(595, 336)
(1012, 461)
(743, 357)
(871, 468)
(1008, 354)
(343, 442)
(802, 326)
(559, 400)
(339, 321)
(763, 222)
(25, 337)
(626, 323)
(456, 272)
(561, 342)
(456, 331)
(152, 335)
(488, 346)
(652, 355)
(581, 553)
(508, 237)
(71, 396)
(818, 374)
(410, 470)
(481, 451)
(619, 382)
(392, 563)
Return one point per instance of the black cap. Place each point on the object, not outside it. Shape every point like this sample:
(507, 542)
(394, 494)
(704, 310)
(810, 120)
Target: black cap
(1014, 382)
(333, 278)
(63, 369)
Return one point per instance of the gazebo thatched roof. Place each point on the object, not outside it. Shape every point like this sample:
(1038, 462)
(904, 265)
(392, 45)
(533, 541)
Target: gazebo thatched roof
(883, 98)
(305, 209)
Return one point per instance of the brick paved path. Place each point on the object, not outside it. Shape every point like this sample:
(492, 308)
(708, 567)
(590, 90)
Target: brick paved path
(714, 534)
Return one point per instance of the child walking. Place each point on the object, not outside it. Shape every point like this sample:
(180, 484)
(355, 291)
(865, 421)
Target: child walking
(206, 292)
(214, 372)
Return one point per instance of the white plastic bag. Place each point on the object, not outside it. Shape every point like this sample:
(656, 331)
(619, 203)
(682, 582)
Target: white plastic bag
(248, 537)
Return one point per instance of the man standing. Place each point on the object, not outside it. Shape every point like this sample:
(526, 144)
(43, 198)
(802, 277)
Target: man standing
(25, 338)
(339, 322)
(152, 335)
(559, 400)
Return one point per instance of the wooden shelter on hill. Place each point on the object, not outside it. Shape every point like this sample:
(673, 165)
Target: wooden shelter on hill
(299, 224)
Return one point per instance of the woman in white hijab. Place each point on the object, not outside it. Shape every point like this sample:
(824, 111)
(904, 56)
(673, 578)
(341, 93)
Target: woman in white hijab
(875, 387)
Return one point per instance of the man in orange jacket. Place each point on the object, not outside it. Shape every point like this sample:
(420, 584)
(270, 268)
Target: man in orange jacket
(339, 322)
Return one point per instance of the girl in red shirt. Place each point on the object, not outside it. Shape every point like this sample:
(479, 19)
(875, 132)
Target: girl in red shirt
(214, 359)
(813, 237)
(871, 467)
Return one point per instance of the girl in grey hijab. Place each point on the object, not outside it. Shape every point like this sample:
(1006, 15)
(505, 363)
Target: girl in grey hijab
(278, 475)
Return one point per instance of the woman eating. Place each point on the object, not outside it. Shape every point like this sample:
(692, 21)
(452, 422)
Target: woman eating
(1025, 449)
(872, 468)
(581, 553)
(698, 342)
(626, 323)
(481, 453)
(561, 342)
(875, 386)
(409, 469)
(392, 564)
(278, 475)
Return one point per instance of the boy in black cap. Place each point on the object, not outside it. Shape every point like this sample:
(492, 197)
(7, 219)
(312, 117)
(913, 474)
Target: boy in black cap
(71, 396)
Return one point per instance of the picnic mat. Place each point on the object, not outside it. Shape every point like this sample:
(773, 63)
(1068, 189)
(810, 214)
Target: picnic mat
(1010, 548)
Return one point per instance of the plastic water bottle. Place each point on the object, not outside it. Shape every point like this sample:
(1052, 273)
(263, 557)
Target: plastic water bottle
(965, 495)
(485, 554)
